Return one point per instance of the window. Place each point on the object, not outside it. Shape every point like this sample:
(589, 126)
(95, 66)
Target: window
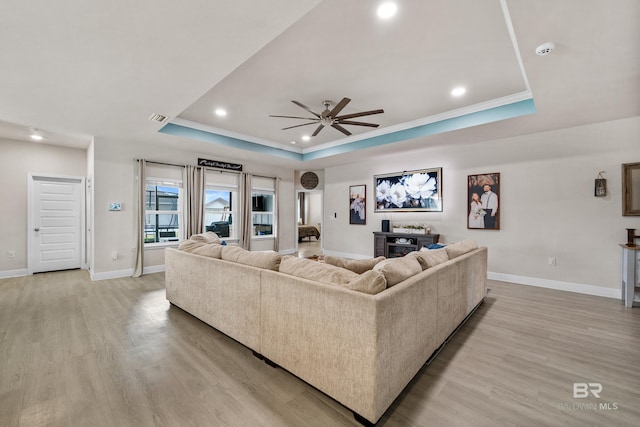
(262, 204)
(219, 211)
(221, 204)
(163, 211)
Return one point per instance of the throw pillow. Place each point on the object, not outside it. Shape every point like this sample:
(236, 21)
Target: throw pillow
(460, 248)
(431, 257)
(356, 265)
(369, 282)
(396, 270)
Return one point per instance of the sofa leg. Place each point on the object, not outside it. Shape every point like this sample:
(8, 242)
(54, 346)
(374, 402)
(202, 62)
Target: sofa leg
(362, 420)
(258, 355)
(270, 363)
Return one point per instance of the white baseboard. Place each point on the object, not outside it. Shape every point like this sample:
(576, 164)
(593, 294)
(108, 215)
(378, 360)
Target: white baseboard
(558, 285)
(14, 273)
(117, 274)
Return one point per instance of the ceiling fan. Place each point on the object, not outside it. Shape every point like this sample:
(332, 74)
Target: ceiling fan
(331, 118)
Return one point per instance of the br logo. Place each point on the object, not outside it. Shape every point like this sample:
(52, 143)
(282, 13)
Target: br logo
(582, 390)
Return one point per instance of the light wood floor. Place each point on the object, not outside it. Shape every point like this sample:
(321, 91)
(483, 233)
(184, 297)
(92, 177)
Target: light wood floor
(114, 353)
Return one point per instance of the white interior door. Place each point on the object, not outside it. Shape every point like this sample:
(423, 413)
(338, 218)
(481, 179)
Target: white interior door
(56, 223)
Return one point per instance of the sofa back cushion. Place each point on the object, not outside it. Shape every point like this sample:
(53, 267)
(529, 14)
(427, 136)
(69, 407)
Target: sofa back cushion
(356, 265)
(454, 250)
(208, 237)
(395, 270)
(369, 282)
(430, 257)
(268, 260)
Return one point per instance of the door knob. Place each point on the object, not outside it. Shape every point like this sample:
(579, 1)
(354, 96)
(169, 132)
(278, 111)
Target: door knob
(36, 229)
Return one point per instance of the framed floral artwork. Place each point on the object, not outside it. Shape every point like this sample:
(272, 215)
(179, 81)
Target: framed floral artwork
(357, 204)
(483, 203)
(418, 190)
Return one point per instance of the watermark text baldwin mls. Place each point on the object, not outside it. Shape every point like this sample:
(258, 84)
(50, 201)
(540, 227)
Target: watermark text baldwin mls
(584, 391)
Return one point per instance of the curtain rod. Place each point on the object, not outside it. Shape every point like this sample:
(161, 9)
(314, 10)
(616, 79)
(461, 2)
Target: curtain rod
(207, 168)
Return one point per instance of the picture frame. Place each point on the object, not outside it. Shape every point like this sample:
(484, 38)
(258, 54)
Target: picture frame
(409, 191)
(358, 204)
(483, 201)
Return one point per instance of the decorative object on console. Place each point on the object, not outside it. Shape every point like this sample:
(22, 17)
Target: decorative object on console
(411, 229)
(418, 190)
(483, 201)
(600, 189)
(385, 226)
(357, 204)
(631, 236)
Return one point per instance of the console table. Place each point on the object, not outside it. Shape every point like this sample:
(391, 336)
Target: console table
(630, 275)
(392, 245)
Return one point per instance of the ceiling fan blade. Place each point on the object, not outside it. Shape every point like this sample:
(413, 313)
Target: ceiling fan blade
(300, 104)
(349, 122)
(339, 107)
(293, 117)
(364, 113)
(341, 129)
(317, 131)
(297, 126)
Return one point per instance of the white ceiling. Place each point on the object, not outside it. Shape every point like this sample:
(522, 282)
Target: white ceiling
(77, 70)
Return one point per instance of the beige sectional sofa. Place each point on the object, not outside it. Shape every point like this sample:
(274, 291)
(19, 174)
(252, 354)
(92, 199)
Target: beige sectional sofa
(360, 348)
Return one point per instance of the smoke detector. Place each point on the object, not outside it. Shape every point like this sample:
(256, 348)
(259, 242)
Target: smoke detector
(545, 48)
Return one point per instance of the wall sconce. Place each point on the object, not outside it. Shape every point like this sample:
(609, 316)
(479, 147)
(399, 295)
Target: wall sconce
(601, 186)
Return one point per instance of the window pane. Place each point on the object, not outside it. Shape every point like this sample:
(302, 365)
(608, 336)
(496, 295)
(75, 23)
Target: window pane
(219, 212)
(262, 224)
(161, 227)
(161, 198)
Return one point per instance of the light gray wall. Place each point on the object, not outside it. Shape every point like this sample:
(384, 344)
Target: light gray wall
(547, 204)
(17, 160)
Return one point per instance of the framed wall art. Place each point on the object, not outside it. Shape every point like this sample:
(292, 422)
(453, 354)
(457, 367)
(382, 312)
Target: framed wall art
(357, 204)
(418, 190)
(483, 201)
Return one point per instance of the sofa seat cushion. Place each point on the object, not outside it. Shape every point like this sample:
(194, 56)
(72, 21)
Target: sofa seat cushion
(356, 265)
(396, 270)
(454, 250)
(370, 282)
(430, 257)
(268, 259)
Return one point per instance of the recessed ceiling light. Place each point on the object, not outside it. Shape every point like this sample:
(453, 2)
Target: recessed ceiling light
(36, 137)
(387, 10)
(458, 91)
(293, 142)
(306, 138)
(221, 112)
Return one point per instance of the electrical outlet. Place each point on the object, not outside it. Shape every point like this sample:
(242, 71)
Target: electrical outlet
(114, 255)
(552, 261)
(11, 254)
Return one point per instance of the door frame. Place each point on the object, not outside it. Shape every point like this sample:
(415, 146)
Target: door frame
(31, 177)
(295, 235)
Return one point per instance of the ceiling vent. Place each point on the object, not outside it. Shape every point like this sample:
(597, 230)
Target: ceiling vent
(158, 118)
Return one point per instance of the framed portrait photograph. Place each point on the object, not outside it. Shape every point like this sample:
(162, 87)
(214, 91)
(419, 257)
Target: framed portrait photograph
(483, 203)
(357, 204)
(418, 190)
